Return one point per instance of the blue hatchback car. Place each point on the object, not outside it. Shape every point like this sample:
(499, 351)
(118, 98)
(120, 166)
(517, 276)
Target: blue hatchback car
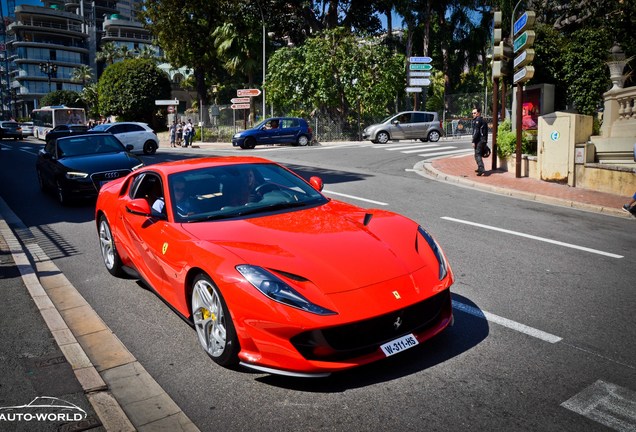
(275, 130)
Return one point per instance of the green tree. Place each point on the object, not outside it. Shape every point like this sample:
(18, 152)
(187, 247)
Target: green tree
(330, 73)
(90, 96)
(63, 97)
(128, 89)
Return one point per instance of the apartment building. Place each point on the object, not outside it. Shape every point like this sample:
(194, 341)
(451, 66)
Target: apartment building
(45, 43)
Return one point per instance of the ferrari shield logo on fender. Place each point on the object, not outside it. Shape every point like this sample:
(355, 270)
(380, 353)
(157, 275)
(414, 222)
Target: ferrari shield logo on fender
(396, 295)
(164, 248)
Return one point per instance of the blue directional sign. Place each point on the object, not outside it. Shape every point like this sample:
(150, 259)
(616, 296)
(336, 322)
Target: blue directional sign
(524, 21)
(420, 59)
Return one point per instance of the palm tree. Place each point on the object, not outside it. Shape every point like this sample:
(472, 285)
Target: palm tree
(147, 52)
(109, 53)
(83, 74)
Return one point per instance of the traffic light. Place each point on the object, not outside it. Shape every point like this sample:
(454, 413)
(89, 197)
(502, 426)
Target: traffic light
(498, 66)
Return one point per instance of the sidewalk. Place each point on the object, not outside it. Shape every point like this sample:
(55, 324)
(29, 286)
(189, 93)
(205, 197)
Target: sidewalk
(461, 170)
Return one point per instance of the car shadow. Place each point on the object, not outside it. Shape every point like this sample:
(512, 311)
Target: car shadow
(467, 332)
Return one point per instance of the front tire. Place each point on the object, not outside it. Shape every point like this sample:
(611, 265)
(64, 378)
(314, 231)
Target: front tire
(382, 137)
(213, 323)
(249, 143)
(150, 147)
(107, 247)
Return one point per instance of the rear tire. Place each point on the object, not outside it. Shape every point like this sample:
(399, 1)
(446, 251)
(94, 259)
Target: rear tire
(302, 141)
(150, 147)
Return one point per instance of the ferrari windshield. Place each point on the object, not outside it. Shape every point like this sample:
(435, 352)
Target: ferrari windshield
(239, 190)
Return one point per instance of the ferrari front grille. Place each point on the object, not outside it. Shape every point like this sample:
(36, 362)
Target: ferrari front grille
(356, 339)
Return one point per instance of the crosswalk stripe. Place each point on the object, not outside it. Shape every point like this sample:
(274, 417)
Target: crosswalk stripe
(413, 147)
(428, 150)
(447, 153)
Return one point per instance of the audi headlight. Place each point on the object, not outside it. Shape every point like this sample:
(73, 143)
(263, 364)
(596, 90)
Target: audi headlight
(437, 250)
(279, 291)
(73, 175)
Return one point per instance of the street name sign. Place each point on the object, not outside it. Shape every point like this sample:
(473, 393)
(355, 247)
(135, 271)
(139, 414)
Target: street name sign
(420, 66)
(524, 58)
(419, 82)
(248, 92)
(240, 100)
(420, 59)
(240, 106)
(414, 89)
(167, 102)
(526, 20)
(419, 74)
(525, 40)
(523, 75)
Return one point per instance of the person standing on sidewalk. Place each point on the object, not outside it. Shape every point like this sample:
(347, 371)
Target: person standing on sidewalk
(480, 138)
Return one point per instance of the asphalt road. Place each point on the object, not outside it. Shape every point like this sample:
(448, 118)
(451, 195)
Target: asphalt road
(544, 335)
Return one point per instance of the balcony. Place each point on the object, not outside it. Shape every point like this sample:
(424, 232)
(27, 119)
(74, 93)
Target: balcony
(47, 26)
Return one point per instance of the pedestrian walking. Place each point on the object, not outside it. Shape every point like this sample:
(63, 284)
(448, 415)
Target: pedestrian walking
(179, 133)
(480, 139)
(173, 134)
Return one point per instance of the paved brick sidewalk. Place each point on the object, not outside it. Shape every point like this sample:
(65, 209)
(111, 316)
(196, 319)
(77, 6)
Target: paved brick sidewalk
(460, 169)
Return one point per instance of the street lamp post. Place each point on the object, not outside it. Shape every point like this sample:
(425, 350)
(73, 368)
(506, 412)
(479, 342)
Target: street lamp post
(49, 69)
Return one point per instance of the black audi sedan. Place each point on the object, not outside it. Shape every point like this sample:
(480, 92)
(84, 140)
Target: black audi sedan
(78, 165)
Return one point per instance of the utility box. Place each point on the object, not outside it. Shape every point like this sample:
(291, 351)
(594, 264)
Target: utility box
(558, 136)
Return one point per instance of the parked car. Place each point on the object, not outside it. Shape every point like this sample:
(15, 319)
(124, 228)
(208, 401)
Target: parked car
(275, 130)
(27, 128)
(79, 165)
(10, 129)
(65, 130)
(139, 135)
(421, 125)
(273, 275)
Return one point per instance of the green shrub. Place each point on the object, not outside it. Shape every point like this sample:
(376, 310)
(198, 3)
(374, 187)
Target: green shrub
(507, 140)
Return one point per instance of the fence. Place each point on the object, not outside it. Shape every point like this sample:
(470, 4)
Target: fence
(221, 122)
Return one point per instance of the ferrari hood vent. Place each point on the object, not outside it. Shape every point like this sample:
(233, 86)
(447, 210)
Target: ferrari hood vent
(367, 218)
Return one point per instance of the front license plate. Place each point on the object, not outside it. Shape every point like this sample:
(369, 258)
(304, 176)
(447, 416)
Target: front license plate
(399, 345)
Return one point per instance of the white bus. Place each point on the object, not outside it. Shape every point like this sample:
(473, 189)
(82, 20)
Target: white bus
(46, 118)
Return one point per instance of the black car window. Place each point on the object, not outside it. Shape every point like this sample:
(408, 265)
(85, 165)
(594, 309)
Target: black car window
(117, 129)
(147, 186)
(420, 117)
(50, 148)
(134, 128)
(87, 145)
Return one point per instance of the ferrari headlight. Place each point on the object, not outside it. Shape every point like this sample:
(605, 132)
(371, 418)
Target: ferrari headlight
(437, 250)
(73, 175)
(279, 291)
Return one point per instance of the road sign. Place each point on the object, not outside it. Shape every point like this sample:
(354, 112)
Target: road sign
(413, 74)
(413, 89)
(419, 82)
(240, 106)
(420, 66)
(170, 109)
(526, 39)
(420, 59)
(523, 75)
(526, 20)
(248, 92)
(524, 58)
(165, 102)
(240, 100)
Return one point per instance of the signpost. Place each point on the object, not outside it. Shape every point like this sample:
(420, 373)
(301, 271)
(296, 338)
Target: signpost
(240, 106)
(417, 73)
(248, 92)
(413, 89)
(420, 66)
(419, 82)
(241, 100)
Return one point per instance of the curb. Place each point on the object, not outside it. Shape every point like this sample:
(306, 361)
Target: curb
(123, 394)
(427, 170)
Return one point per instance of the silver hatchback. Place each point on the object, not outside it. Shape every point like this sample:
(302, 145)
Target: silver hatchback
(422, 125)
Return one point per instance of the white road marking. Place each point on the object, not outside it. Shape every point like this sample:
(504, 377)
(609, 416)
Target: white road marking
(513, 325)
(412, 146)
(516, 233)
(606, 403)
(428, 150)
(466, 151)
(356, 198)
